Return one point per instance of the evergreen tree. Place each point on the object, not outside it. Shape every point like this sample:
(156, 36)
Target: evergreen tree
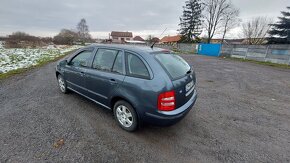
(281, 29)
(190, 21)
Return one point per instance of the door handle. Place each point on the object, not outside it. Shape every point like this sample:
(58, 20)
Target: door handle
(113, 81)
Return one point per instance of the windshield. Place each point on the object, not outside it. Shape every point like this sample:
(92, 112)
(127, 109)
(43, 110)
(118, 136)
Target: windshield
(173, 64)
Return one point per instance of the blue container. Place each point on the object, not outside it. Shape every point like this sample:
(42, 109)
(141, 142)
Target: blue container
(209, 49)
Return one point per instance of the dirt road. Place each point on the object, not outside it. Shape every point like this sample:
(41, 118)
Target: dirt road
(242, 115)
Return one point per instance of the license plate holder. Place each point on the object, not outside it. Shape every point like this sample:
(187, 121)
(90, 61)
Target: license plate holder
(189, 86)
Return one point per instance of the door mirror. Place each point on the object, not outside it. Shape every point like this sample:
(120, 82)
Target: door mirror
(64, 62)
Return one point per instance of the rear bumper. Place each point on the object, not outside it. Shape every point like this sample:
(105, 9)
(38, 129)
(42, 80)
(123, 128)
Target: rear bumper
(167, 118)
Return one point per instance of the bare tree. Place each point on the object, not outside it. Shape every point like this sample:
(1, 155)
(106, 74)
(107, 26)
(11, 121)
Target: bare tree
(65, 37)
(215, 12)
(22, 40)
(149, 38)
(83, 30)
(230, 20)
(255, 30)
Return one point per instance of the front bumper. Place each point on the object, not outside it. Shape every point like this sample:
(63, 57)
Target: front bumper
(167, 118)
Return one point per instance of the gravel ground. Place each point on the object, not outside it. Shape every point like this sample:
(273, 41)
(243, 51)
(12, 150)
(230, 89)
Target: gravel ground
(242, 115)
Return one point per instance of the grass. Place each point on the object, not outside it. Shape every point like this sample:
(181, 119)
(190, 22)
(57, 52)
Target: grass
(41, 62)
(16, 58)
(260, 62)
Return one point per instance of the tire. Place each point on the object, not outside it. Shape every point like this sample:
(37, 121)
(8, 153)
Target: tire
(62, 84)
(126, 116)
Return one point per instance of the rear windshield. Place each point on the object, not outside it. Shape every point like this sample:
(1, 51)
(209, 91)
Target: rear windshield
(173, 64)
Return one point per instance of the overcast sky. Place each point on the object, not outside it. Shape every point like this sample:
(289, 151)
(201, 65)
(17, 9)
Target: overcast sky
(142, 17)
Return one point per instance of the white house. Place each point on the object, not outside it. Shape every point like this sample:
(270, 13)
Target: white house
(121, 37)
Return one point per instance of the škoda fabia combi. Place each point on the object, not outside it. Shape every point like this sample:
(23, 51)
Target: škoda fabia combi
(139, 84)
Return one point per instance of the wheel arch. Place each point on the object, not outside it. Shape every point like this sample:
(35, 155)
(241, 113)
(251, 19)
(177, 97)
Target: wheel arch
(118, 98)
(57, 73)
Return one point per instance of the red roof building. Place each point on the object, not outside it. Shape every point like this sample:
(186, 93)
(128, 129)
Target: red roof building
(170, 39)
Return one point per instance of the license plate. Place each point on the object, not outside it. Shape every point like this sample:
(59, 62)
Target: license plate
(188, 86)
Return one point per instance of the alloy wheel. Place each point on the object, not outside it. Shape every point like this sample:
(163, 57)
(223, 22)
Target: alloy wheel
(61, 84)
(124, 116)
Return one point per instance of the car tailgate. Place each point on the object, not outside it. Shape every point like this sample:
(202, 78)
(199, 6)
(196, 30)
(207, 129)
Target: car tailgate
(184, 89)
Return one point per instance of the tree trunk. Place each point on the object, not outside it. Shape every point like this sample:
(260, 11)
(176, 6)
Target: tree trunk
(225, 31)
(224, 36)
(208, 40)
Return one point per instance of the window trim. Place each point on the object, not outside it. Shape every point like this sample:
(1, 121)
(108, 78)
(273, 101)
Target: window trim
(123, 63)
(145, 64)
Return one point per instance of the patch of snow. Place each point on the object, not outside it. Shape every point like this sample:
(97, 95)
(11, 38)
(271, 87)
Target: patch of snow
(12, 59)
(1, 44)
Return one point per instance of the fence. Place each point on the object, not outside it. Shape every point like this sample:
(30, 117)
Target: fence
(202, 49)
(268, 53)
(187, 48)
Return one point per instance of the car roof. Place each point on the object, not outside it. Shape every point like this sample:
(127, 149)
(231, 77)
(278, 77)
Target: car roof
(134, 48)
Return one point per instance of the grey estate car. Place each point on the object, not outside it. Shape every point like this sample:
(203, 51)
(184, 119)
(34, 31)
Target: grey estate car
(139, 84)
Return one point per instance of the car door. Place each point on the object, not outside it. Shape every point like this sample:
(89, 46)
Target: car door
(106, 74)
(76, 69)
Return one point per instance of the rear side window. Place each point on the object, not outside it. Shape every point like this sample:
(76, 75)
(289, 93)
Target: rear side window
(83, 59)
(173, 64)
(136, 67)
(104, 59)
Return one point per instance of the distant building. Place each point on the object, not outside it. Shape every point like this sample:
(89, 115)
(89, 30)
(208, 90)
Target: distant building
(228, 41)
(257, 41)
(170, 39)
(138, 38)
(215, 41)
(234, 41)
(121, 37)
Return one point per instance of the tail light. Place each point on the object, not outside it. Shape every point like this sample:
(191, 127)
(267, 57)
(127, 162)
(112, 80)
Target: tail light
(166, 101)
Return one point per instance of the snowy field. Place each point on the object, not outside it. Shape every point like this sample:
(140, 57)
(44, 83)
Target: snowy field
(12, 59)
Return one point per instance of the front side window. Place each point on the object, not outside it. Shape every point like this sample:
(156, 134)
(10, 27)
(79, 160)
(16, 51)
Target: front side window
(136, 67)
(104, 59)
(83, 59)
